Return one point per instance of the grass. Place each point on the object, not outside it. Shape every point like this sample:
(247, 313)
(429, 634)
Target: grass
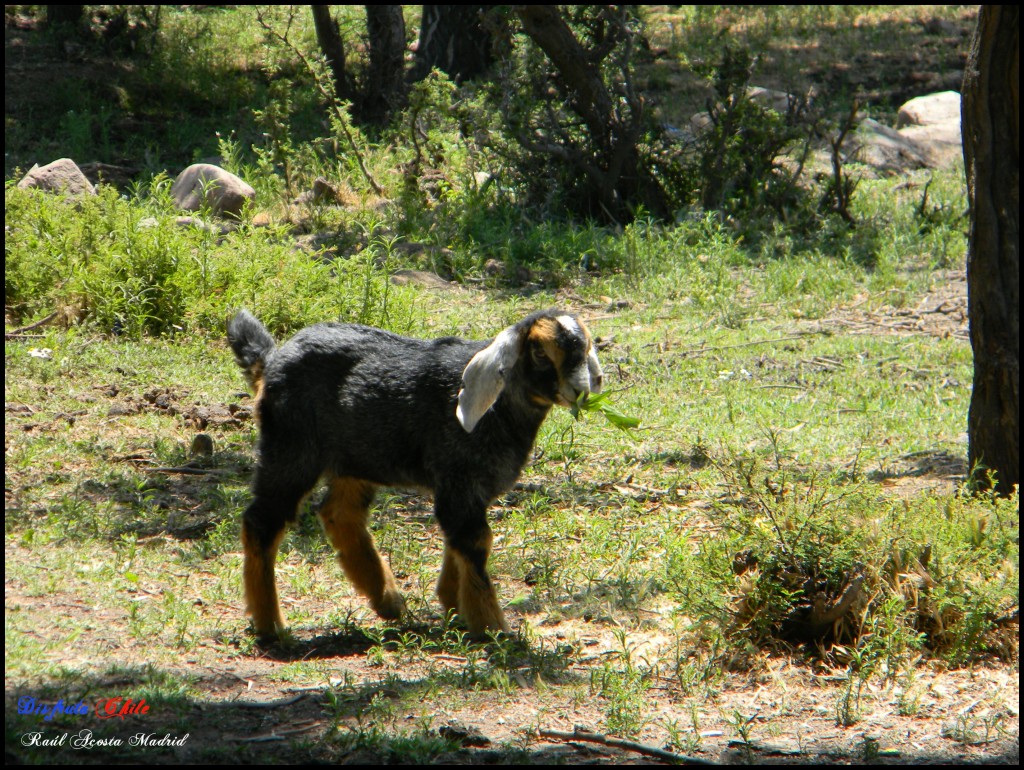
(739, 396)
(801, 431)
(763, 430)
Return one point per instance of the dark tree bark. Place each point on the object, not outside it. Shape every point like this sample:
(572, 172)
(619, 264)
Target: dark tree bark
(591, 100)
(385, 89)
(991, 135)
(454, 39)
(328, 36)
(614, 166)
(66, 16)
(67, 23)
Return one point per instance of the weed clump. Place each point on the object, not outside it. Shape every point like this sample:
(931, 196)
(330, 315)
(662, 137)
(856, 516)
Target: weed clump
(864, 580)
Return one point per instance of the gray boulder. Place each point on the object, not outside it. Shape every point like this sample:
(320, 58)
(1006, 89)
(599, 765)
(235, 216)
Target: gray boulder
(930, 110)
(933, 123)
(883, 148)
(62, 176)
(205, 184)
(927, 135)
(769, 99)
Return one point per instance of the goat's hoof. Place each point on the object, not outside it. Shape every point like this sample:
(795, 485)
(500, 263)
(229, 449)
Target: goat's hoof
(391, 606)
(481, 631)
(270, 635)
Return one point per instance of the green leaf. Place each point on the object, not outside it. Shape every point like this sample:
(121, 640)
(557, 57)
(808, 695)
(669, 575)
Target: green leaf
(599, 403)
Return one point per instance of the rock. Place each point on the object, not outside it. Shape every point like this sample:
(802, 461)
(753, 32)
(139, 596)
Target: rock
(220, 190)
(61, 176)
(942, 143)
(929, 110)
(927, 135)
(202, 446)
(770, 99)
(424, 279)
(322, 192)
(202, 417)
(883, 148)
(108, 173)
(483, 179)
(320, 245)
(466, 735)
(122, 409)
(701, 122)
(217, 228)
(933, 123)
(778, 101)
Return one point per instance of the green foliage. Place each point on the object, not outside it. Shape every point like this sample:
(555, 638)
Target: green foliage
(126, 267)
(572, 152)
(600, 403)
(899, 576)
(639, 566)
(747, 160)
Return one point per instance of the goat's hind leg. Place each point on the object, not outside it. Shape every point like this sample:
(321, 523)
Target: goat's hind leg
(345, 514)
(263, 526)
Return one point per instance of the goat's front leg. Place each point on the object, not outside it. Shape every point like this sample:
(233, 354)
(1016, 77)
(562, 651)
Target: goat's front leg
(464, 585)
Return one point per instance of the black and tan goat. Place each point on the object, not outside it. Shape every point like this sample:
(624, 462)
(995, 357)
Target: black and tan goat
(361, 407)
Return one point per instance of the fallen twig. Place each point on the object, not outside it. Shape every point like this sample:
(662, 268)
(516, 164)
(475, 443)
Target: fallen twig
(619, 743)
(693, 351)
(31, 326)
(189, 470)
(263, 704)
(279, 735)
(1007, 618)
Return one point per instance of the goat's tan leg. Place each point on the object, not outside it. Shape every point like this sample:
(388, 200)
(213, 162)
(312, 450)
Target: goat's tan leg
(263, 528)
(260, 588)
(477, 601)
(464, 581)
(448, 583)
(345, 514)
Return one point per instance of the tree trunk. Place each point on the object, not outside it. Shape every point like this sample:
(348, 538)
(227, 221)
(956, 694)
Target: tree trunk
(592, 102)
(385, 89)
(67, 23)
(615, 170)
(67, 16)
(328, 36)
(991, 135)
(454, 40)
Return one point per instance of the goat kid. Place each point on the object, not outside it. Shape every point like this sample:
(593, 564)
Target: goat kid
(361, 407)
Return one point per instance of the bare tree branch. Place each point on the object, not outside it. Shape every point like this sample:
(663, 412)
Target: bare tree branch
(332, 101)
(619, 743)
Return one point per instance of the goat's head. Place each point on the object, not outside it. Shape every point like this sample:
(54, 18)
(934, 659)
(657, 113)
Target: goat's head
(554, 354)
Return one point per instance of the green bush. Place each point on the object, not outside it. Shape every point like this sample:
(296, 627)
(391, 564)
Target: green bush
(834, 566)
(127, 267)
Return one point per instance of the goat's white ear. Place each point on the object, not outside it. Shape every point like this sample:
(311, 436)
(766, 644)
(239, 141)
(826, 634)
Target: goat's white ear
(485, 377)
(594, 367)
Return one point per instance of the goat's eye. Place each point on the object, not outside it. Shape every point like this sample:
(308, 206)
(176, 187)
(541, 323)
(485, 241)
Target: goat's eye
(539, 357)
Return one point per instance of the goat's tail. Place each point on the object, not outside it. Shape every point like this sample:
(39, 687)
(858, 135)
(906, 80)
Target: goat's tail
(252, 344)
